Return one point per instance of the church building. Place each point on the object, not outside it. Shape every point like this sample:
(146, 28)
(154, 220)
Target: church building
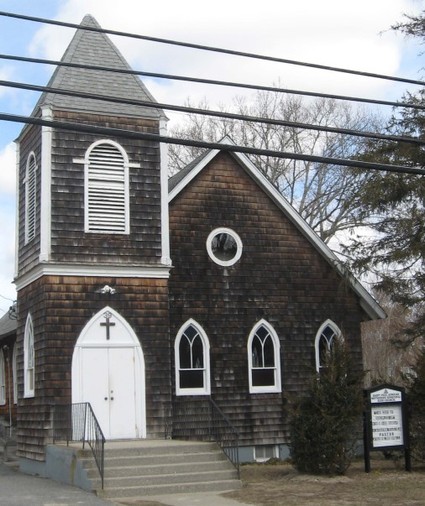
(147, 296)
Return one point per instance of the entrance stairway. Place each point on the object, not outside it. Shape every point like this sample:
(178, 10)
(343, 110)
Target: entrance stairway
(149, 467)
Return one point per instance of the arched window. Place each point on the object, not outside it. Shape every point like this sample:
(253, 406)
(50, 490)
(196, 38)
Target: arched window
(29, 358)
(264, 359)
(325, 339)
(2, 379)
(192, 357)
(106, 188)
(30, 182)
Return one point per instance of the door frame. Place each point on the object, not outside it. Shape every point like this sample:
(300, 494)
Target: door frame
(90, 338)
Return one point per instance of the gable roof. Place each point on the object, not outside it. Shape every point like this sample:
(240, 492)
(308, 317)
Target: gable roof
(8, 326)
(94, 48)
(178, 182)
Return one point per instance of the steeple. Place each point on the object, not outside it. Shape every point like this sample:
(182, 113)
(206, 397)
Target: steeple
(95, 48)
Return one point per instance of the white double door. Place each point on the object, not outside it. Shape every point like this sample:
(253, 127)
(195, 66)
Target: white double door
(109, 374)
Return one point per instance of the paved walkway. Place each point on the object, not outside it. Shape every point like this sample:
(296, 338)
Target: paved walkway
(18, 489)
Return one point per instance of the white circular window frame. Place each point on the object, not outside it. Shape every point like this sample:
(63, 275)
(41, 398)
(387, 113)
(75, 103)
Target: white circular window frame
(223, 230)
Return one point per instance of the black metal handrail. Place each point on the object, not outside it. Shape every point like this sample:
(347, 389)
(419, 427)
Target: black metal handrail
(77, 422)
(202, 419)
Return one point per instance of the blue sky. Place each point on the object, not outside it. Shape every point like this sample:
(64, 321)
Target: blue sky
(331, 32)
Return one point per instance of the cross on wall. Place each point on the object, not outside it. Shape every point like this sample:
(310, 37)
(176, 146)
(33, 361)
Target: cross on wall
(108, 324)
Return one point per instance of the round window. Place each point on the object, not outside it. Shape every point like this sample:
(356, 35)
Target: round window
(224, 246)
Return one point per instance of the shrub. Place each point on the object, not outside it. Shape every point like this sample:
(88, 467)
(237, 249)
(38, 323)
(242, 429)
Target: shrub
(325, 425)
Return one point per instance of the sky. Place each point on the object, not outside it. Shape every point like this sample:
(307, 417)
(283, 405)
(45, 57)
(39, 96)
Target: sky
(354, 35)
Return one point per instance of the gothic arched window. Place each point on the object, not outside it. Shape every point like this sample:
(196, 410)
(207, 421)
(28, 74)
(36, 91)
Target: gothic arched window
(325, 339)
(29, 358)
(264, 359)
(192, 358)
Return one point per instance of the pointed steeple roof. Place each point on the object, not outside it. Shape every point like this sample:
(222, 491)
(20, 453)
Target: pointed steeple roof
(95, 48)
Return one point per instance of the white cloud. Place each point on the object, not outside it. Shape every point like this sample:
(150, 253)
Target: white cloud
(7, 171)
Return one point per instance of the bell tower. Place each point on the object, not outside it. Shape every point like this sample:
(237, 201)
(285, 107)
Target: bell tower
(92, 213)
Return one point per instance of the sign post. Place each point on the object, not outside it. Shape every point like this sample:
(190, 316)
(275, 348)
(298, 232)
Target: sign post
(386, 422)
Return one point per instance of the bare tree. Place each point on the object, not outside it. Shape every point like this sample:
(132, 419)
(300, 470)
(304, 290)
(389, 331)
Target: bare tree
(323, 194)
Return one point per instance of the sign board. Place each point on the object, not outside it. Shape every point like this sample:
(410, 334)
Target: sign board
(385, 422)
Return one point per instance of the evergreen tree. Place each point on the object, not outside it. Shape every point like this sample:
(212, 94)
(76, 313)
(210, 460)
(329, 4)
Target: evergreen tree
(326, 423)
(394, 206)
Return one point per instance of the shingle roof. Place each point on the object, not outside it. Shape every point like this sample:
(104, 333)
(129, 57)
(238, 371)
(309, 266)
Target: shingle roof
(8, 326)
(95, 48)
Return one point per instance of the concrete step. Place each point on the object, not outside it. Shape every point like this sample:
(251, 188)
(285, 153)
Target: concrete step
(140, 469)
(136, 492)
(137, 468)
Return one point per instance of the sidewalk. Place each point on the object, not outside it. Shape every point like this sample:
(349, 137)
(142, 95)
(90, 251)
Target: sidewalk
(18, 489)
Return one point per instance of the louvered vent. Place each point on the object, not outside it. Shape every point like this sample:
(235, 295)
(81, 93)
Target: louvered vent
(30, 183)
(106, 190)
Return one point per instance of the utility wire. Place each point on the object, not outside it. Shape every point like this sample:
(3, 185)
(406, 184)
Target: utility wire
(215, 82)
(130, 134)
(208, 112)
(211, 48)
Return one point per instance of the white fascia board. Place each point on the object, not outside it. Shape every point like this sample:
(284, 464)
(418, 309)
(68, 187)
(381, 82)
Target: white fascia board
(192, 174)
(165, 222)
(46, 185)
(96, 270)
(18, 159)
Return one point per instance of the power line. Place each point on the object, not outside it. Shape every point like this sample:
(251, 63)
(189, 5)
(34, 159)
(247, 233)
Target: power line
(214, 82)
(212, 113)
(130, 134)
(212, 49)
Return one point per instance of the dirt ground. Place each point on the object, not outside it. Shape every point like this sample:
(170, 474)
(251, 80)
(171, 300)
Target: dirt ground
(279, 484)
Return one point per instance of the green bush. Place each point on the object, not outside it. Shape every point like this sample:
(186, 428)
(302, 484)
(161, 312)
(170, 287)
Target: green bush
(326, 423)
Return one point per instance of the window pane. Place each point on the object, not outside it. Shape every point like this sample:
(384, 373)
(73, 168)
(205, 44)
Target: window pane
(192, 379)
(268, 352)
(197, 353)
(184, 353)
(262, 377)
(224, 246)
(257, 353)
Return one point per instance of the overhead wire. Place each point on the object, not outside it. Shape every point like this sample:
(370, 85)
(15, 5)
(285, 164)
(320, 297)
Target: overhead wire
(212, 113)
(215, 82)
(212, 48)
(131, 134)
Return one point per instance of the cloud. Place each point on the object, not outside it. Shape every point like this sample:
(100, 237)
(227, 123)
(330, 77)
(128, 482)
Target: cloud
(7, 172)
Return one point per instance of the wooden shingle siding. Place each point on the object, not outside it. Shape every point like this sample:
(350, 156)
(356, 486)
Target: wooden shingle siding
(28, 253)
(69, 242)
(60, 307)
(280, 277)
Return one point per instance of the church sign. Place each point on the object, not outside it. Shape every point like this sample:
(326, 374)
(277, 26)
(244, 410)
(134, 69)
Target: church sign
(385, 426)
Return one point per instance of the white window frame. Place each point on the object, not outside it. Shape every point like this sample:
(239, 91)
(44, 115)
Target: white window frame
(260, 450)
(15, 373)
(277, 386)
(116, 183)
(30, 182)
(2, 378)
(235, 236)
(206, 389)
(336, 334)
(29, 358)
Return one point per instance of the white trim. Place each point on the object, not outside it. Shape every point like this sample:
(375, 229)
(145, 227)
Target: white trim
(165, 225)
(368, 303)
(46, 187)
(17, 214)
(337, 331)
(126, 193)
(94, 270)
(206, 390)
(30, 198)
(29, 341)
(15, 373)
(2, 378)
(277, 387)
(235, 236)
